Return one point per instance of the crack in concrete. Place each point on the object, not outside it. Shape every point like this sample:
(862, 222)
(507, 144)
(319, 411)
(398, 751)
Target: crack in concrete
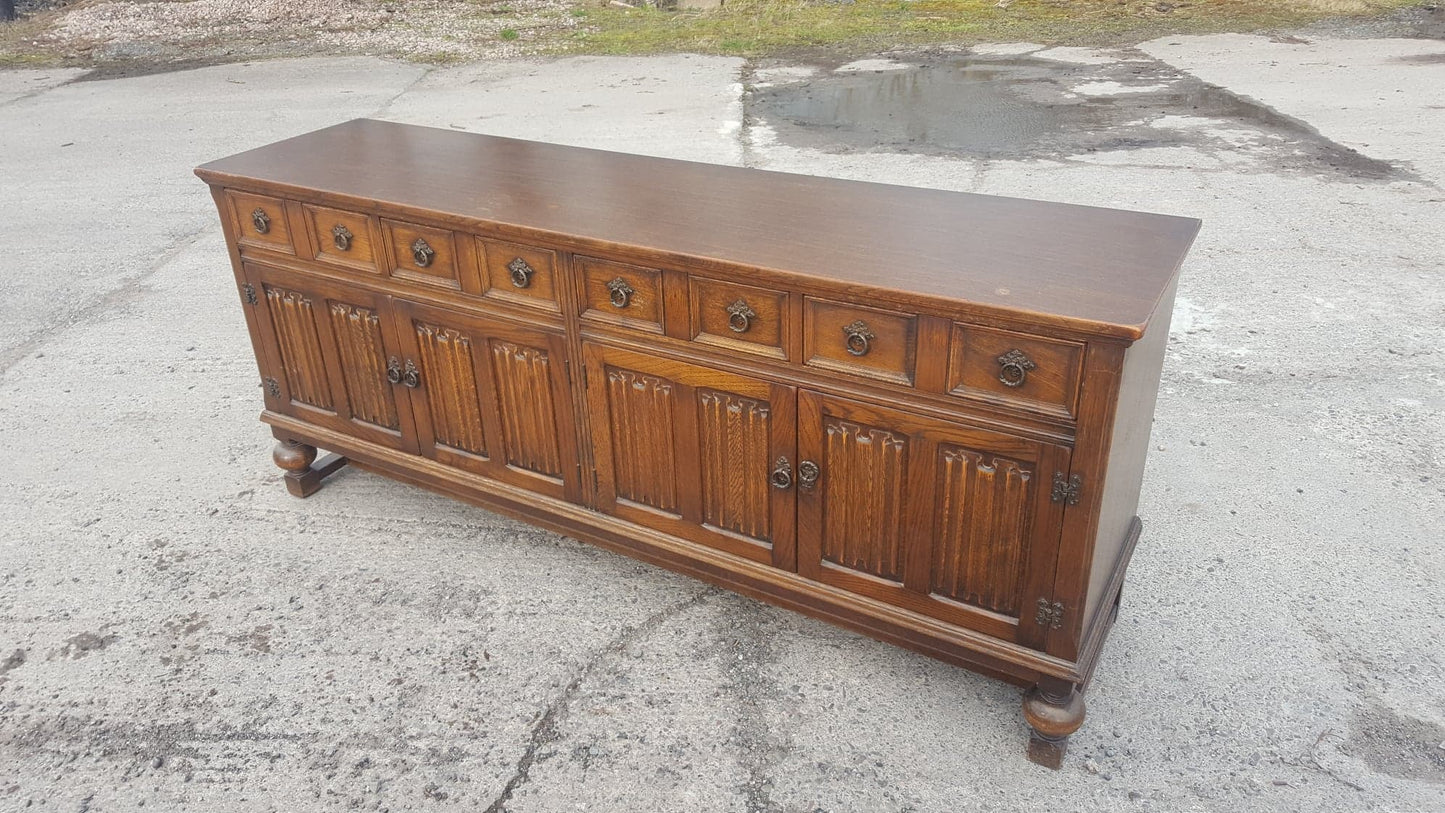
(746, 648)
(124, 292)
(42, 91)
(381, 111)
(545, 731)
(746, 121)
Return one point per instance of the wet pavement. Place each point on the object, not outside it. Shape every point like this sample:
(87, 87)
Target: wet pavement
(1017, 107)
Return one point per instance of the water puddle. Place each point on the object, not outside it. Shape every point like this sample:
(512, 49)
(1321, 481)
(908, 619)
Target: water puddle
(1026, 107)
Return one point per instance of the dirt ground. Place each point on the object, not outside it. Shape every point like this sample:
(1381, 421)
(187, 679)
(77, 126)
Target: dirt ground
(136, 37)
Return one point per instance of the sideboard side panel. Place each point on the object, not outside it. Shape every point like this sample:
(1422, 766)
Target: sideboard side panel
(1128, 448)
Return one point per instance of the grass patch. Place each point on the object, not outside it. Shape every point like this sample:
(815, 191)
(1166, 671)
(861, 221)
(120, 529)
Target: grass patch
(755, 28)
(509, 34)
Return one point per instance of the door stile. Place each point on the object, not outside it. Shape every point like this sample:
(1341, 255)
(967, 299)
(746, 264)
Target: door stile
(689, 464)
(920, 530)
(1035, 628)
(809, 539)
(600, 418)
(785, 501)
(393, 344)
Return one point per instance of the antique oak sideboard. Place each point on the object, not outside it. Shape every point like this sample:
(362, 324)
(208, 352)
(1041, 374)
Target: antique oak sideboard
(921, 415)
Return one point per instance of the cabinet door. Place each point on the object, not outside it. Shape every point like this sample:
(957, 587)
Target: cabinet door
(694, 452)
(327, 348)
(490, 397)
(937, 517)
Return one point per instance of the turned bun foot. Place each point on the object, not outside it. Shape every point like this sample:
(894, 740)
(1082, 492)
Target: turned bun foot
(1053, 712)
(302, 478)
(293, 456)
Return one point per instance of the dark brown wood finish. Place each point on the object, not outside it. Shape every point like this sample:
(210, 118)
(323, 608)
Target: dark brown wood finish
(918, 414)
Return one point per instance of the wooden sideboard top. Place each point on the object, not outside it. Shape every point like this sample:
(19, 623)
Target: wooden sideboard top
(1088, 268)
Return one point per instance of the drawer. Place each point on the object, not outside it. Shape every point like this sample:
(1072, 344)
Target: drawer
(860, 340)
(260, 221)
(739, 317)
(341, 238)
(518, 273)
(626, 295)
(1015, 369)
(422, 254)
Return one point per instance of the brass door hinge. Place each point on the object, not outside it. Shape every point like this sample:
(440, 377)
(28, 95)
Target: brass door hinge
(250, 291)
(1066, 489)
(1050, 614)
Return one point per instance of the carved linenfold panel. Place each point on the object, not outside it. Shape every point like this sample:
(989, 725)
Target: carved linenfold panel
(448, 368)
(864, 468)
(524, 398)
(734, 433)
(983, 508)
(294, 318)
(363, 364)
(643, 454)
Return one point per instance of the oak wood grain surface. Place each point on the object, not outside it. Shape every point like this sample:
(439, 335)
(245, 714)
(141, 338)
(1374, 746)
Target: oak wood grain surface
(1103, 267)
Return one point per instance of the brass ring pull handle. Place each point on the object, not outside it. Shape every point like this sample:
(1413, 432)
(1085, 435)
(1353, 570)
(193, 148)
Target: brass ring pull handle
(740, 317)
(521, 272)
(619, 292)
(858, 338)
(807, 475)
(782, 477)
(422, 254)
(261, 221)
(412, 377)
(393, 370)
(1014, 368)
(341, 236)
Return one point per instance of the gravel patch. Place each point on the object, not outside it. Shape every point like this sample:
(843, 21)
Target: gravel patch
(208, 30)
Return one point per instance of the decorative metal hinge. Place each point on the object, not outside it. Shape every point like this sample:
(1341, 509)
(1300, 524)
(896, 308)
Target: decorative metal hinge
(1066, 489)
(1050, 614)
(250, 291)
(274, 387)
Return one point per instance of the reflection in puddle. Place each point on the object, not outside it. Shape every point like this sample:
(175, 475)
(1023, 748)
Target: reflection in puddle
(974, 108)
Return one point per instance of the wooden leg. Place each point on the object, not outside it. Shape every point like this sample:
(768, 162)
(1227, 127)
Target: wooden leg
(1054, 710)
(302, 478)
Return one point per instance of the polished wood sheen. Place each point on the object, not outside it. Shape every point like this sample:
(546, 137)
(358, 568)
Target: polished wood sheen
(921, 415)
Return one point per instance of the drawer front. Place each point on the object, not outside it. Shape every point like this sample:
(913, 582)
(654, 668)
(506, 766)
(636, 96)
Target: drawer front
(626, 295)
(422, 254)
(739, 317)
(260, 221)
(860, 340)
(1015, 369)
(518, 273)
(341, 238)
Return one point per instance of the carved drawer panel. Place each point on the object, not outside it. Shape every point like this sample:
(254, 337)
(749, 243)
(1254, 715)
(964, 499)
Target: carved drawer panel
(626, 295)
(422, 254)
(860, 340)
(512, 272)
(341, 238)
(260, 221)
(738, 317)
(1015, 369)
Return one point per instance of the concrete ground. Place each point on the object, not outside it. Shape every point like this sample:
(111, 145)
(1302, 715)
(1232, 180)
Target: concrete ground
(177, 632)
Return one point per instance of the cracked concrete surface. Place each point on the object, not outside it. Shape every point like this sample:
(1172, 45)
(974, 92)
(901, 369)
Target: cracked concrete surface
(177, 631)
